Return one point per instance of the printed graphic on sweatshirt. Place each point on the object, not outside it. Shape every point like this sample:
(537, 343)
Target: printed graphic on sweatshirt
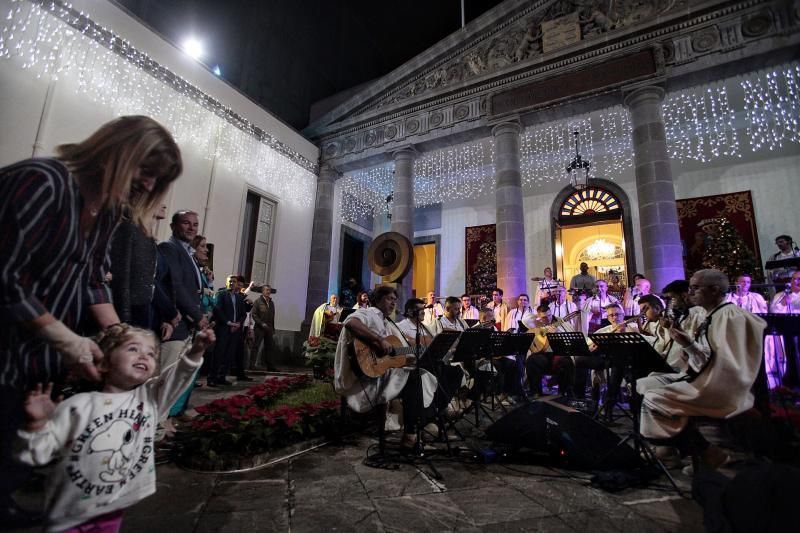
(110, 452)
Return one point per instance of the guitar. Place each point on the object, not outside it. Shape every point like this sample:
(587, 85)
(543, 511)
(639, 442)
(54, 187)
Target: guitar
(372, 365)
(540, 341)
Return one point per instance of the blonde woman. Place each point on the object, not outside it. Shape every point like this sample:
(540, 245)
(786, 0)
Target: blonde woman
(58, 216)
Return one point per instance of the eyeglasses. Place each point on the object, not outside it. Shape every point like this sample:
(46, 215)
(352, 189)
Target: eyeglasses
(616, 314)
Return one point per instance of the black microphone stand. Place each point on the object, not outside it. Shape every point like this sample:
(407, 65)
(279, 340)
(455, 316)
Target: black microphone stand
(419, 448)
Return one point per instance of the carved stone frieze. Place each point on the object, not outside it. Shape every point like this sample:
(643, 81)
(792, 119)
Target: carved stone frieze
(522, 41)
(676, 34)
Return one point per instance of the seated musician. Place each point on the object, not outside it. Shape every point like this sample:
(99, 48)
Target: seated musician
(468, 311)
(545, 361)
(776, 347)
(449, 377)
(724, 356)
(519, 313)
(450, 320)
(506, 366)
(560, 307)
(372, 326)
(618, 324)
(595, 308)
(329, 311)
(433, 309)
(657, 335)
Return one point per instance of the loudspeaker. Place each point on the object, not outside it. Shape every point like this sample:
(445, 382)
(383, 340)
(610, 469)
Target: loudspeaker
(565, 433)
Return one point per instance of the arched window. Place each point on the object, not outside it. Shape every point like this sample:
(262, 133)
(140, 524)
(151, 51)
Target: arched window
(588, 202)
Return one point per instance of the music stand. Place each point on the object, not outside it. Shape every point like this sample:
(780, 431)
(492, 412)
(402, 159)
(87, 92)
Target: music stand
(571, 343)
(471, 322)
(471, 345)
(516, 344)
(634, 353)
(433, 355)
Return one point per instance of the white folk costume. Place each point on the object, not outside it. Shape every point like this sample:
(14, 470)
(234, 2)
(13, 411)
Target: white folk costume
(104, 446)
(723, 364)
(751, 301)
(563, 309)
(594, 311)
(363, 393)
(501, 315)
(443, 323)
(432, 313)
(409, 329)
(471, 313)
(659, 337)
(774, 350)
(516, 316)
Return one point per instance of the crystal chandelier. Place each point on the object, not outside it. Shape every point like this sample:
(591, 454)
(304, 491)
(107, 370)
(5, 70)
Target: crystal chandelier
(600, 249)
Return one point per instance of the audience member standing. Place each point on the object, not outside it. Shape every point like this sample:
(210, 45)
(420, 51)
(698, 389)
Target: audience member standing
(58, 216)
(229, 315)
(263, 316)
(182, 282)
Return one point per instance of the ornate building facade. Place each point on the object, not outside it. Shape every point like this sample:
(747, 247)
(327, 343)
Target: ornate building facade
(479, 128)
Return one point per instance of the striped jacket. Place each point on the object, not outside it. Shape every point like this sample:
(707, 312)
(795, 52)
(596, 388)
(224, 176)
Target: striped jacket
(47, 263)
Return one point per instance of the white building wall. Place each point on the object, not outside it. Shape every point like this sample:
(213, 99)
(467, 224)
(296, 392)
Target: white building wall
(72, 117)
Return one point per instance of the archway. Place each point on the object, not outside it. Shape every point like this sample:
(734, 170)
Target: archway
(593, 225)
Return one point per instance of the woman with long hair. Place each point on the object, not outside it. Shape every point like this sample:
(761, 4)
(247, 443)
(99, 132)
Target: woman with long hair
(58, 216)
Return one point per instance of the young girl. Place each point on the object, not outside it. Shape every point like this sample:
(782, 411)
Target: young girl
(103, 441)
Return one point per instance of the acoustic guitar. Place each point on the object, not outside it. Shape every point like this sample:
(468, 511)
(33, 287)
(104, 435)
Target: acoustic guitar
(540, 341)
(373, 365)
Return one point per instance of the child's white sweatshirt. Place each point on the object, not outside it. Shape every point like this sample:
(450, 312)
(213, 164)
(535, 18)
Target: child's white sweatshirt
(103, 443)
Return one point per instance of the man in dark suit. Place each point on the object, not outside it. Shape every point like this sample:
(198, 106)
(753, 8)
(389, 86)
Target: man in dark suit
(229, 316)
(263, 315)
(181, 282)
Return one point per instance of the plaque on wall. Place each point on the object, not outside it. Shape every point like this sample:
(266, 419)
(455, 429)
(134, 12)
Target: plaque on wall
(560, 32)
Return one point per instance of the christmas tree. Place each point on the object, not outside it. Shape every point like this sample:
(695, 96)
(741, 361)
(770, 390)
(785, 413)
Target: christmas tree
(484, 278)
(726, 250)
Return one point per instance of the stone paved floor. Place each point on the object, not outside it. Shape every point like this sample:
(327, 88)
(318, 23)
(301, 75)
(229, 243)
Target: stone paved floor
(330, 489)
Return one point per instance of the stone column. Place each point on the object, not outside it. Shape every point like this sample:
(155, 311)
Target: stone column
(658, 214)
(508, 205)
(403, 209)
(320, 262)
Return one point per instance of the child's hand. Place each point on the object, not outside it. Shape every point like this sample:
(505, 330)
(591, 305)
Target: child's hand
(203, 340)
(39, 407)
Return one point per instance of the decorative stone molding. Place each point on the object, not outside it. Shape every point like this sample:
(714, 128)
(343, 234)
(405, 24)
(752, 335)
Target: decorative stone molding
(678, 36)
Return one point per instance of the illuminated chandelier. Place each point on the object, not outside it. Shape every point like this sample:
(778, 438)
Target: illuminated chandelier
(600, 249)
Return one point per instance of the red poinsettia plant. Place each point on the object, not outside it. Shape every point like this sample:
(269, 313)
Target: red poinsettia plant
(252, 423)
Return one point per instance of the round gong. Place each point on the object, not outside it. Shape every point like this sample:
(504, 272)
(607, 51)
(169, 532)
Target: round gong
(391, 255)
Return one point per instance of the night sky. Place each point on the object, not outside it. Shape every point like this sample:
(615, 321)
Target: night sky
(287, 54)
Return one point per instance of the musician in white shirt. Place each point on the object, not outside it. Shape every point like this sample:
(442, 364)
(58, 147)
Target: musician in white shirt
(372, 325)
(501, 310)
(594, 310)
(785, 251)
(433, 309)
(468, 311)
(560, 307)
(450, 320)
(786, 302)
(518, 314)
(546, 285)
(539, 364)
(749, 301)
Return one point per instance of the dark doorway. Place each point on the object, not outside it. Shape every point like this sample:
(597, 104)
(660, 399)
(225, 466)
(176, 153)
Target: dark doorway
(352, 260)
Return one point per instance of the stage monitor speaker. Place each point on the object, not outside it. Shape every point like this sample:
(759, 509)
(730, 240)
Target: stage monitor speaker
(549, 426)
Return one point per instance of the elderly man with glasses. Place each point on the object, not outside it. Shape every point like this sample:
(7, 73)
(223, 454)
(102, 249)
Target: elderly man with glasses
(723, 357)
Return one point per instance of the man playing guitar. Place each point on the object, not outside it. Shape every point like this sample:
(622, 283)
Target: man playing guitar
(373, 327)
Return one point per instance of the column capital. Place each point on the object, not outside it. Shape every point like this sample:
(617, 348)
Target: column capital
(508, 124)
(638, 95)
(328, 172)
(405, 152)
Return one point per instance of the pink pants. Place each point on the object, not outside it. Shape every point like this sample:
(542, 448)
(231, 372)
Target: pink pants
(105, 523)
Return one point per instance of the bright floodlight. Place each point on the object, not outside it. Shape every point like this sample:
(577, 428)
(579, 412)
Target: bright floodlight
(193, 47)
